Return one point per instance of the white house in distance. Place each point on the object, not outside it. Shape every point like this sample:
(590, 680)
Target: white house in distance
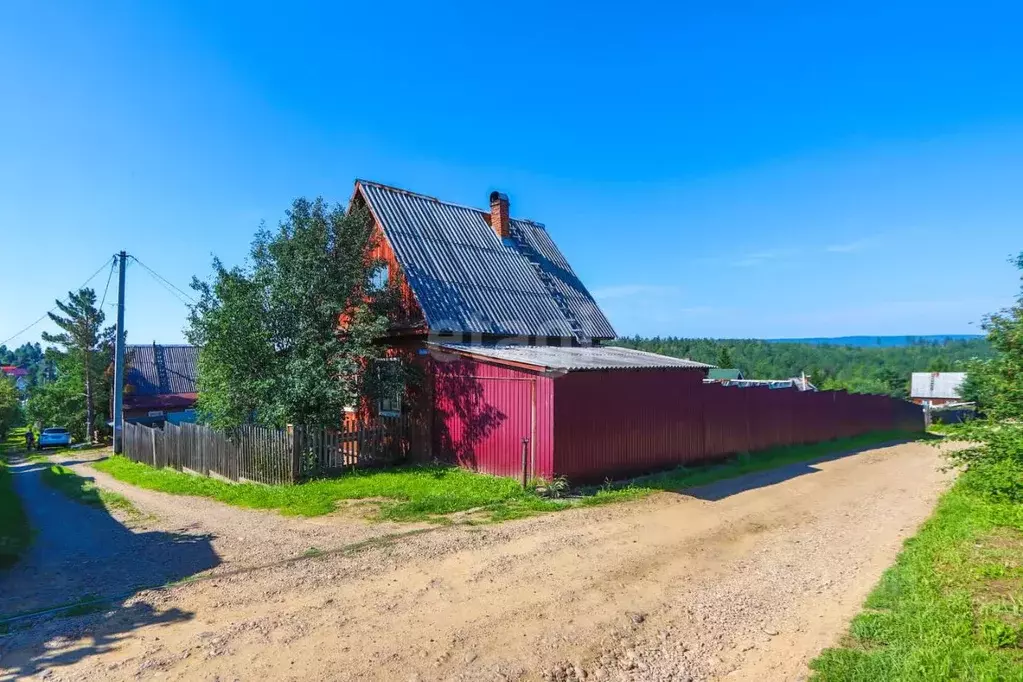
(936, 388)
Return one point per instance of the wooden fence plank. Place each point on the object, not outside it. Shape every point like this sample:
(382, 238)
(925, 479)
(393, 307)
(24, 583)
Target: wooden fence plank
(267, 455)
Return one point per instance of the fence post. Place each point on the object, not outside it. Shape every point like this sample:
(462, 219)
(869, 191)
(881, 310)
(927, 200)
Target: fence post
(296, 453)
(152, 440)
(525, 463)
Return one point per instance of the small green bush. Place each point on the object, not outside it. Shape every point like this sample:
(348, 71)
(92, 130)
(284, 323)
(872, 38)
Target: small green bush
(998, 480)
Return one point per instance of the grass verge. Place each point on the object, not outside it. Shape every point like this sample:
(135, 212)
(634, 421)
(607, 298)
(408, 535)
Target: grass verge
(432, 493)
(950, 608)
(15, 533)
(83, 490)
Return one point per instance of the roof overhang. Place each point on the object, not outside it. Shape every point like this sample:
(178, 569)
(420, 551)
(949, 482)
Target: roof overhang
(564, 359)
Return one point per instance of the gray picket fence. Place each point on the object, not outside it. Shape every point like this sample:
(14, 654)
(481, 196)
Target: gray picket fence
(266, 455)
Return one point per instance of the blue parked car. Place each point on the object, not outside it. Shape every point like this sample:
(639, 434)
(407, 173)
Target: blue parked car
(54, 438)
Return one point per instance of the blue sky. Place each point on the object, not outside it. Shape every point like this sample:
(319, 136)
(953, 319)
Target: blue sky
(750, 172)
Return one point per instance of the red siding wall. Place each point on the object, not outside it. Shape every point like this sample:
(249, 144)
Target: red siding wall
(482, 412)
(617, 423)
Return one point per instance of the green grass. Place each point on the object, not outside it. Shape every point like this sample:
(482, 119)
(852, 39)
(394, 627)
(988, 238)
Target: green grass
(951, 607)
(433, 493)
(15, 533)
(84, 490)
(406, 494)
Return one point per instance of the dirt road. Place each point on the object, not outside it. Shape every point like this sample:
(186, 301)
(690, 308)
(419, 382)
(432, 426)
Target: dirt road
(747, 579)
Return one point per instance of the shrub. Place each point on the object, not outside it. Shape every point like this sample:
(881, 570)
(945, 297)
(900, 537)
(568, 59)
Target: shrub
(998, 480)
(994, 461)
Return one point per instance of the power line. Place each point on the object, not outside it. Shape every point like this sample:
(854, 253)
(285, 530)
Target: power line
(43, 316)
(113, 264)
(166, 284)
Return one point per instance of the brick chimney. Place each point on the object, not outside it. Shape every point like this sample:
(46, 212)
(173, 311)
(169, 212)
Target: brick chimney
(499, 218)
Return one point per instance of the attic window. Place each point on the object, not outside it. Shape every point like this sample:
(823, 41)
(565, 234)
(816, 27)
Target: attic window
(378, 280)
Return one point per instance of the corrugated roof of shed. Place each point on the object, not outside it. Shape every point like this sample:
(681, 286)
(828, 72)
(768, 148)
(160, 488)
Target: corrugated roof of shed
(936, 384)
(143, 373)
(724, 373)
(574, 358)
(467, 279)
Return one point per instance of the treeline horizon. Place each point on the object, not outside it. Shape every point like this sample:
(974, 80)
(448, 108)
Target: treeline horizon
(858, 369)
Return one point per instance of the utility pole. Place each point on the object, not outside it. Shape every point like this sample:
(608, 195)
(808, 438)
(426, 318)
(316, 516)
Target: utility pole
(119, 357)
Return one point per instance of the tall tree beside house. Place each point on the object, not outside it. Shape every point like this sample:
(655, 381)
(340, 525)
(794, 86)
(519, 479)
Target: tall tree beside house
(996, 384)
(78, 398)
(271, 346)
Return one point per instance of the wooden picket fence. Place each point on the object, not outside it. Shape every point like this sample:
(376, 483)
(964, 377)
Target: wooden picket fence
(266, 455)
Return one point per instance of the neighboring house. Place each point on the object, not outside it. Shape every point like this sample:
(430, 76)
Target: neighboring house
(19, 375)
(159, 384)
(721, 374)
(936, 388)
(508, 339)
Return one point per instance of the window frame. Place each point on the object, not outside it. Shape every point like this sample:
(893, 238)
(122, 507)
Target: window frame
(394, 401)
(380, 278)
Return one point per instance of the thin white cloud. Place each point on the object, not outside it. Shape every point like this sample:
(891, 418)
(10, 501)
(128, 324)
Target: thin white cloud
(634, 290)
(761, 257)
(850, 247)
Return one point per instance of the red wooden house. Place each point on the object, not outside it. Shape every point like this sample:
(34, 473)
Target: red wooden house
(510, 340)
(518, 381)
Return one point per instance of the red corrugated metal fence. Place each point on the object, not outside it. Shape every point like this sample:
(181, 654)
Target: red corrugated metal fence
(614, 423)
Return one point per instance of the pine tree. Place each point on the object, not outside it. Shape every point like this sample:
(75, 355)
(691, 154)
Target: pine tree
(86, 343)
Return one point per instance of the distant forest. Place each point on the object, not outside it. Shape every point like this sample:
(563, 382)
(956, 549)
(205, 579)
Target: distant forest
(858, 369)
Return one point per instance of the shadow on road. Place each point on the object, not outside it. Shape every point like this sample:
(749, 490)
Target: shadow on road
(70, 639)
(82, 554)
(720, 490)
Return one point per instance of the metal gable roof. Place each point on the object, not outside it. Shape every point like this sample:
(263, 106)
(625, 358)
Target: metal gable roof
(574, 358)
(467, 279)
(144, 374)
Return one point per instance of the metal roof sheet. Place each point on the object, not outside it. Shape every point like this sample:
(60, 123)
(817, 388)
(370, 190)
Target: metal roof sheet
(724, 373)
(936, 384)
(467, 279)
(574, 358)
(144, 374)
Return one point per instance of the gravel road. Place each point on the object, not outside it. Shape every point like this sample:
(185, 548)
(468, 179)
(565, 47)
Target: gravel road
(747, 579)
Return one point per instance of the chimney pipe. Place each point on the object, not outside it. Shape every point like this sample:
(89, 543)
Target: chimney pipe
(499, 218)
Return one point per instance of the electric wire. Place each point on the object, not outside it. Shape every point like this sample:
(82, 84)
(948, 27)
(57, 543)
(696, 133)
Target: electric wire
(166, 284)
(43, 316)
(110, 275)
